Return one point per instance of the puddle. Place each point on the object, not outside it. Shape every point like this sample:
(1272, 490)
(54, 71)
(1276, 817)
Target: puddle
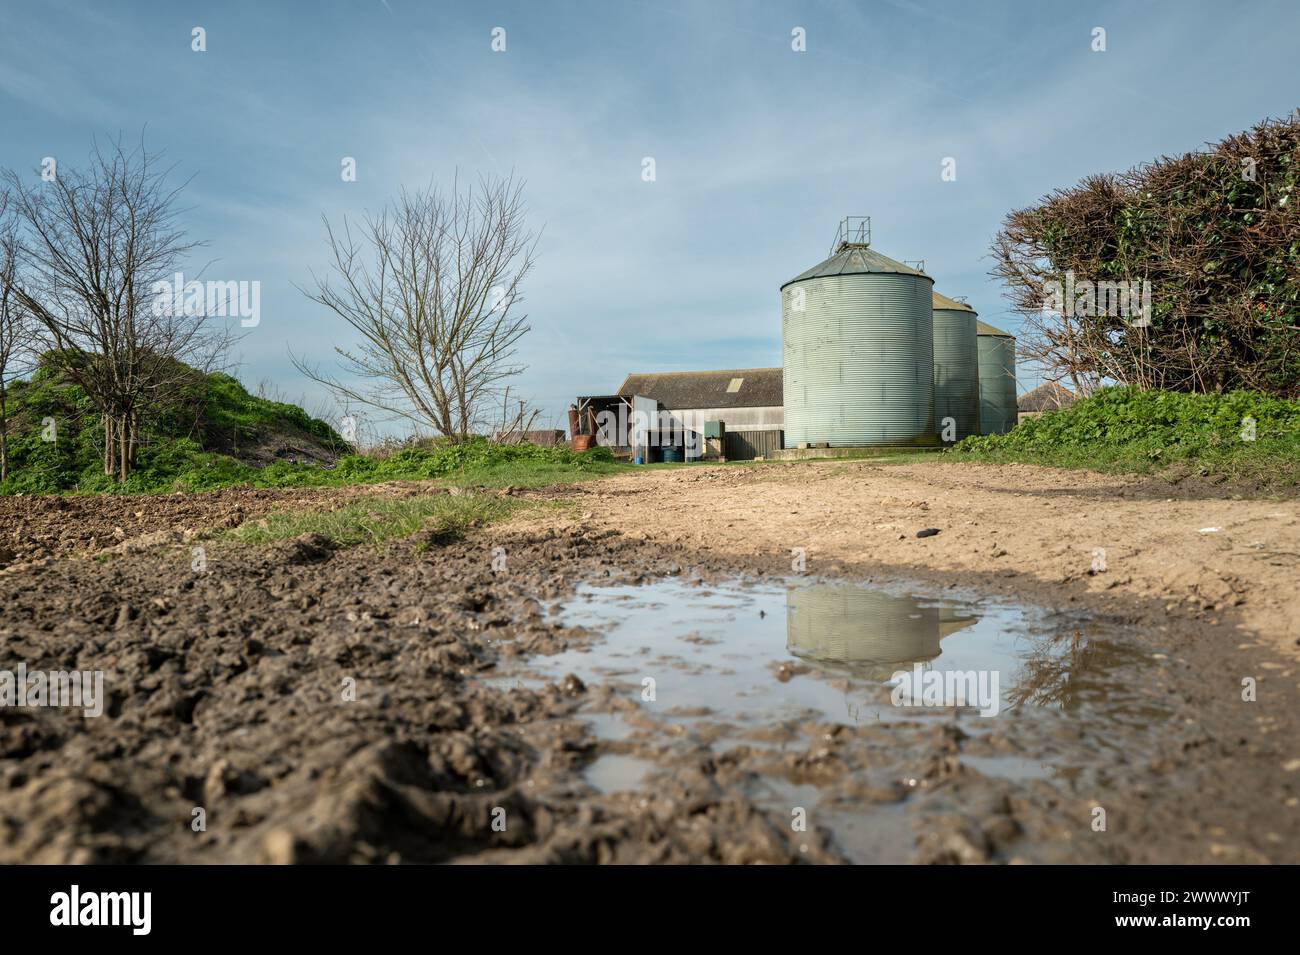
(759, 653)
(616, 772)
(744, 667)
(1008, 767)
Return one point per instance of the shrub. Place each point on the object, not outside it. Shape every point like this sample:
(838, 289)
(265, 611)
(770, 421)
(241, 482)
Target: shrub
(1133, 430)
(1216, 233)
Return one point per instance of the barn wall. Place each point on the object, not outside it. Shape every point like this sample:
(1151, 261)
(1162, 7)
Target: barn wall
(737, 419)
(747, 445)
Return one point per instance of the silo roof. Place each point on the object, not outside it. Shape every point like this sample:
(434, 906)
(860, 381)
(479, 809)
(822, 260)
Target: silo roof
(984, 328)
(857, 260)
(943, 301)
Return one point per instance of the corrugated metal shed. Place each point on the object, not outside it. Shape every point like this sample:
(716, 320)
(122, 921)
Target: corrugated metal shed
(734, 388)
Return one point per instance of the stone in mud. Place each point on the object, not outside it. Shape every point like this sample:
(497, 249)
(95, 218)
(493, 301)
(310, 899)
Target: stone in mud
(280, 847)
(572, 686)
(307, 549)
(952, 843)
(224, 779)
(927, 532)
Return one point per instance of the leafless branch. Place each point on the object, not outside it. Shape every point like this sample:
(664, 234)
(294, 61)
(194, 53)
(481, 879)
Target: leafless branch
(433, 287)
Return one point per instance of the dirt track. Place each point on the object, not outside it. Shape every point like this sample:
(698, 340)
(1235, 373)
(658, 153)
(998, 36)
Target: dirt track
(1028, 529)
(225, 685)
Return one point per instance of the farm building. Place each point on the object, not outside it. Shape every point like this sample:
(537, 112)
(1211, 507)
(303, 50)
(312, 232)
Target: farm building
(734, 413)
(747, 401)
(872, 356)
(1048, 396)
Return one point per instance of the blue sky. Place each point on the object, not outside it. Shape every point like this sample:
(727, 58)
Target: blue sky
(759, 150)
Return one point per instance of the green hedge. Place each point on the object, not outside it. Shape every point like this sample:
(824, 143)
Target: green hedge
(1131, 430)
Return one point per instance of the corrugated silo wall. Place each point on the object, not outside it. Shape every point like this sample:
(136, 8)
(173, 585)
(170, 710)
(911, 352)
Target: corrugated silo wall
(997, 374)
(859, 360)
(956, 371)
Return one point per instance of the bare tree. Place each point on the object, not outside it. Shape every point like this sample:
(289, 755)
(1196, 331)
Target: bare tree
(96, 242)
(433, 285)
(15, 328)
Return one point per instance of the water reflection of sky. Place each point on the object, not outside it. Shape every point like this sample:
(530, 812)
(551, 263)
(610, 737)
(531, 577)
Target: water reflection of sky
(759, 652)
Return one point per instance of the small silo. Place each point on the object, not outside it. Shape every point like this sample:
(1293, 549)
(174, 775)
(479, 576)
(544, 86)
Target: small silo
(858, 349)
(997, 373)
(956, 367)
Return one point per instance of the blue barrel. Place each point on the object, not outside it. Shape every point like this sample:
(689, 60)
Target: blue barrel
(673, 455)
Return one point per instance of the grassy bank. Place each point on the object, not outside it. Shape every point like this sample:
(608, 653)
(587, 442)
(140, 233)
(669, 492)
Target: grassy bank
(219, 435)
(216, 432)
(443, 516)
(1242, 437)
(188, 468)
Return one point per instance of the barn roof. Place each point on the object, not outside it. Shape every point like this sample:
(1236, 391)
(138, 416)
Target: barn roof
(1046, 397)
(733, 388)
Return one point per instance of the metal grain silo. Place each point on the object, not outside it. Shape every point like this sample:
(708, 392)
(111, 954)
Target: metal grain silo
(956, 367)
(858, 349)
(865, 632)
(997, 351)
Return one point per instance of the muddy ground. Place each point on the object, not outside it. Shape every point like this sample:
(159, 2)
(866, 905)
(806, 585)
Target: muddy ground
(356, 705)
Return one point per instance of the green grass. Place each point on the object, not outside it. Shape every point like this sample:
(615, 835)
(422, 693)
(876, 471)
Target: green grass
(194, 446)
(477, 463)
(445, 516)
(1172, 434)
(481, 464)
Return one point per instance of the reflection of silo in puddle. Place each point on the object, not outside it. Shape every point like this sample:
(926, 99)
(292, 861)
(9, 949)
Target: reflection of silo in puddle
(867, 633)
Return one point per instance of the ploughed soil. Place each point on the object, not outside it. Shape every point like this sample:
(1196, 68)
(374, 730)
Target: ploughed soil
(302, 703)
